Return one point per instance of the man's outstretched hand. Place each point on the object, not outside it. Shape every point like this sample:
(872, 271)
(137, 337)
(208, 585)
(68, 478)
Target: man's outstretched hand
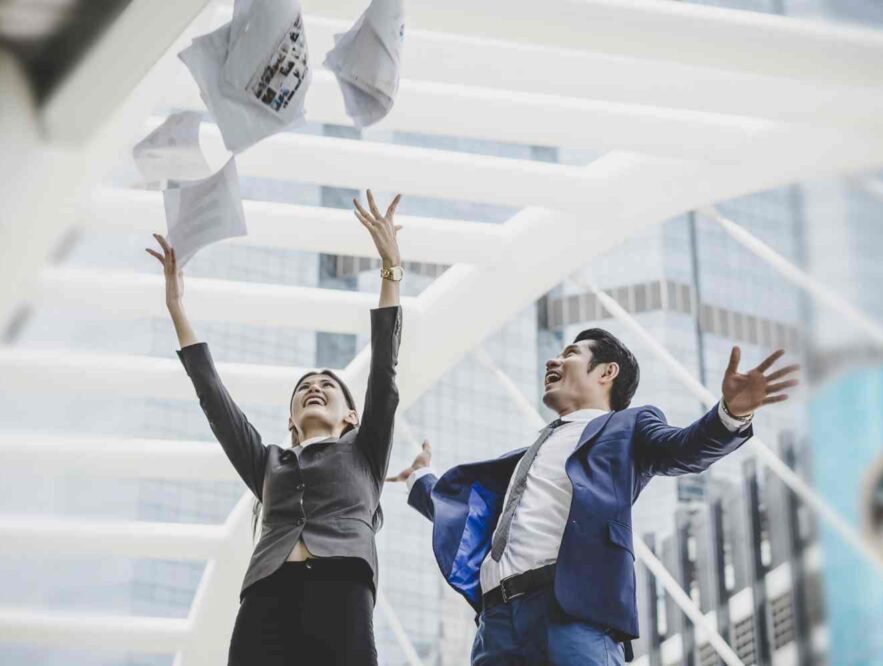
(744, 393)
(422, 460)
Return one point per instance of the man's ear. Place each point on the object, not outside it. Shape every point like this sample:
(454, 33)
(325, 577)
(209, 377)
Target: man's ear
(351, 418)
(610, 372)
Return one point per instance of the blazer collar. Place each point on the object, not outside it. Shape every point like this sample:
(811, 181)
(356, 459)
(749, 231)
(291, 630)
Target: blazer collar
(593, 429)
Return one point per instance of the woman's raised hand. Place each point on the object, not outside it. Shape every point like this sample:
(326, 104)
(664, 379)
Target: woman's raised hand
(382, 229)
(174, 276)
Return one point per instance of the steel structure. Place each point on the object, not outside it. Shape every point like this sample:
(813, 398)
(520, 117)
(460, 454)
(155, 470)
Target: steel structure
(687, 106)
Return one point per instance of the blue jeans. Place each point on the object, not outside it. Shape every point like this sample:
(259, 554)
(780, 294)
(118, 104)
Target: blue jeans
(533, 631)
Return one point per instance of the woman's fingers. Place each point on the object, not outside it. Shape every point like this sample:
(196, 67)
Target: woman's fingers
(162, 241)
(366, 222)
(392, 207)
(373, 205)
(364, 213)
(156, 254)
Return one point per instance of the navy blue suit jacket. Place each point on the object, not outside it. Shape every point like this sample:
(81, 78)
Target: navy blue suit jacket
(617, 455)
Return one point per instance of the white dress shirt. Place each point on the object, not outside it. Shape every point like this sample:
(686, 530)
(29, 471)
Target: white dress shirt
(538, 524)
(300, 553)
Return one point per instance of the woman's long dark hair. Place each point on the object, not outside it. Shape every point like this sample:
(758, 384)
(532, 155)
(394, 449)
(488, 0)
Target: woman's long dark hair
(256, 506)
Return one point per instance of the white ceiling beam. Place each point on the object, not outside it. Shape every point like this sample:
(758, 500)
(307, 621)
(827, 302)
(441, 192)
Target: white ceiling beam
(120, 294)
(546, 96)
(461, 72)
(308, 228)
(732, 40)
(513, 116)
(66, 630)
(111, 69)
(86, 373)
(116, 457)
(629, 193)
(448, 174)
(57, 176)
(137, 539)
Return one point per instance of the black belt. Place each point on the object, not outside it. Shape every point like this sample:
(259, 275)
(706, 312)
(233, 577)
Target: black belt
(518, 585)
(524, 583)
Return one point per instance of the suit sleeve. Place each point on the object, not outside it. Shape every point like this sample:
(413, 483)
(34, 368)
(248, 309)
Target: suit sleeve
(239, 439)
(669, 451)
(420, 496)
(375, 432)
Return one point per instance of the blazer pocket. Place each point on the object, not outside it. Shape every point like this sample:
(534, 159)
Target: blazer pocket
(621, 535)
(348, 519)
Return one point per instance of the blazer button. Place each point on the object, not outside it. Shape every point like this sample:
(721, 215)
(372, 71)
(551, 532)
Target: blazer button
(301, 521)
(301, 486)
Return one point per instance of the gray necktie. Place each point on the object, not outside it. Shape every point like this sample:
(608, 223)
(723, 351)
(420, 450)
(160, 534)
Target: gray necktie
(519, 483)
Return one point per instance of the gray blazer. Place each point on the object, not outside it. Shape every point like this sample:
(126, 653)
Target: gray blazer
(330, 495)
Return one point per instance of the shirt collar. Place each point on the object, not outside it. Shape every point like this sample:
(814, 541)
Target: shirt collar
(311, 440)
(583, 415)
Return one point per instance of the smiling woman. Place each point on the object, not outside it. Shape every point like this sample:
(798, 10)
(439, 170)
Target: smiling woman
(308, 594)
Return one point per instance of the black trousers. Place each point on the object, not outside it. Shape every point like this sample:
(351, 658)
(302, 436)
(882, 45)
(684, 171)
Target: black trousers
(315, 613)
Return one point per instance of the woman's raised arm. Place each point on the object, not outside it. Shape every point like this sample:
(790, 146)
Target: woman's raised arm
(239, 439)
(382, 395)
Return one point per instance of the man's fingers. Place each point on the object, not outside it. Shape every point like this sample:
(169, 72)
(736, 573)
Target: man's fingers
(769, 360)
(733, 365)
(392, 207)
(784, 372)
(781, 386)
(426, 445)
(775, 398)
(373, 205)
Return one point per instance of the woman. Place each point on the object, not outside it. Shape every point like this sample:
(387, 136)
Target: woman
(308, 595)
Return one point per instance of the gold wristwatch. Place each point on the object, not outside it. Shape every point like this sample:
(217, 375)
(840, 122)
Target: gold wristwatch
(394, 273)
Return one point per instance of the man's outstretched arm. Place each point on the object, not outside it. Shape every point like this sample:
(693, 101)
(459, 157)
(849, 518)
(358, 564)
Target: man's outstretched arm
(664, 449)
(420, 481)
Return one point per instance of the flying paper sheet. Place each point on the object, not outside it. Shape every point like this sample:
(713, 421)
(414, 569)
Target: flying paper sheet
(367, 59)
(203, 211)
(253, 73)
(171, 151)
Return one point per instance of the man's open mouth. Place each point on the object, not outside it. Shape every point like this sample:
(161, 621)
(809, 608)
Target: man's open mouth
(552, 377)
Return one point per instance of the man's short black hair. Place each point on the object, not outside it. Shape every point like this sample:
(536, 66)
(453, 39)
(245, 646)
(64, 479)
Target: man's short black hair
(607, 348)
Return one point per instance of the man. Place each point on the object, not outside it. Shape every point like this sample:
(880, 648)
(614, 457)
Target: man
(539, 540)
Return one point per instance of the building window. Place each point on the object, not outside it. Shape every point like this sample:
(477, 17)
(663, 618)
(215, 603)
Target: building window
(782, 614)
(872, 503)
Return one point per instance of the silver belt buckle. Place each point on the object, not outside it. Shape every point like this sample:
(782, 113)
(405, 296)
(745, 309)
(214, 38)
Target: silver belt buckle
(506, 596)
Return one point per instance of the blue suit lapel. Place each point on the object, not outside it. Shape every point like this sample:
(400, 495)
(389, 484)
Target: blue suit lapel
(592, 430)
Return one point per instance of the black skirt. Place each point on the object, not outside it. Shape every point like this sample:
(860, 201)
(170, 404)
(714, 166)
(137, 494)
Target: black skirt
(314, 613)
